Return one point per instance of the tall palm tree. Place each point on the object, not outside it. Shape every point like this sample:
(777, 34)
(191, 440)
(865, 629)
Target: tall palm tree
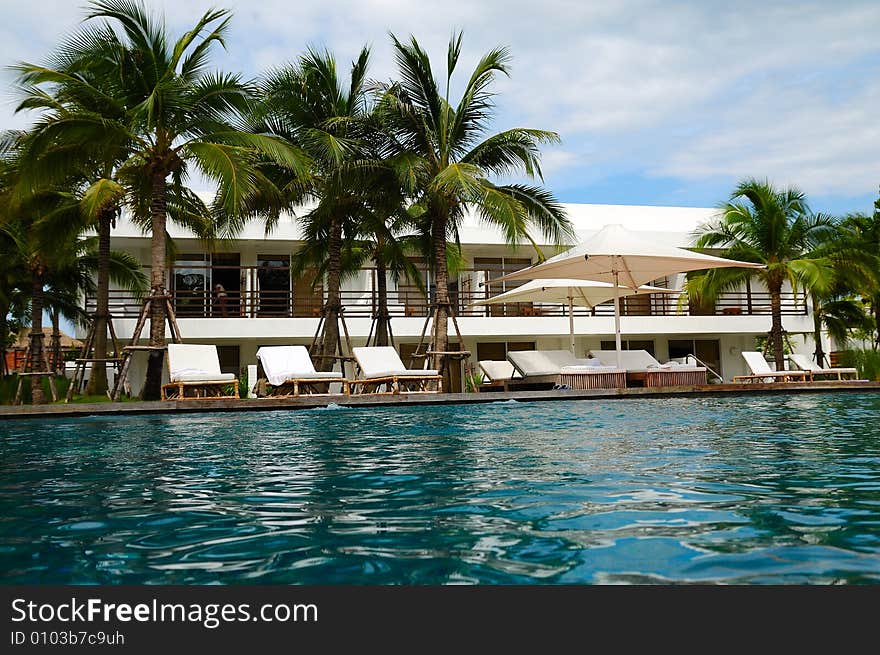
(386, 241)
(170, 113)
(861, 234)
(769, 226)
(446, 159)
(29, 223)
(310, 106)
(13, 284)
(74, 277)
(835, 307)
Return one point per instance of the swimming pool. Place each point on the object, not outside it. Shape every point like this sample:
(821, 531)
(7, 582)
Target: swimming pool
(747, 489)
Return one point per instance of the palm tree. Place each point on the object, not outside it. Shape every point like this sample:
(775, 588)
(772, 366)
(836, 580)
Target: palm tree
(74, 277)
(309, 106)
(861, 234)
(386, 242)
(170, 113)
(29, 223)
(769, 226)
(445, 159)
(852, 268)
(13, 282)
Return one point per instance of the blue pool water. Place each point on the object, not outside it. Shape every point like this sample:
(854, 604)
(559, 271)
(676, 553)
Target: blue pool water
(750, 489)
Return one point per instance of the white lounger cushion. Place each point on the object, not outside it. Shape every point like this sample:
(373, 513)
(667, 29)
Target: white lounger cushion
(282, 363)
(588, 368)
(383, 361)
(805, 364)
(531, 363)
(496, 370)
(191, 362)
(639, 360)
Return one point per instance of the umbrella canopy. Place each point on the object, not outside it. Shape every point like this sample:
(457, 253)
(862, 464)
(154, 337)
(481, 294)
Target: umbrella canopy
(625, 259)
(583, 293)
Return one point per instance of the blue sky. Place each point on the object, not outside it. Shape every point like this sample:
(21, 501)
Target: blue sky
(657, 103)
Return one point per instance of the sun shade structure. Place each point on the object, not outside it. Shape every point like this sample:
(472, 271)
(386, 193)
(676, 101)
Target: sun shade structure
(583, 293)
(625, 259)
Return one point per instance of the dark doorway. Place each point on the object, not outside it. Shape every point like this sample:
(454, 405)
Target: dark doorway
(273, 283)
(226, 279)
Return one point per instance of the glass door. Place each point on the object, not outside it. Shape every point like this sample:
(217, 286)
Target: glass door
(190, 286)
(273, 285)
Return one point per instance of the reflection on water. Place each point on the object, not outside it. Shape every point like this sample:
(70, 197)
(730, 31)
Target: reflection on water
(763, 489)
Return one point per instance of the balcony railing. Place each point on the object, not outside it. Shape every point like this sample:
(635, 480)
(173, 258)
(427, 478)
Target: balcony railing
(257, 303)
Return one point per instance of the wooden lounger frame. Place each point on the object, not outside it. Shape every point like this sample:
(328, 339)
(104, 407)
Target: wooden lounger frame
(787, 376)
(202, 390)
(394, 382)
(839, 372)
(300, 387)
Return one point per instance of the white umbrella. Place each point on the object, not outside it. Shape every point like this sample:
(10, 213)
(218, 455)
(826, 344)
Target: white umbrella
(584, 293)
(622, 258)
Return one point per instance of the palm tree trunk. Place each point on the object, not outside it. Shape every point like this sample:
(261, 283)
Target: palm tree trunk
(819, 353)
(382, 337)
(98, 375)
(330, 338)
(37, 361)
(4, 336)
(441, 293)
(153, 384)
(55, 344)
(776, 324)
(876, 305)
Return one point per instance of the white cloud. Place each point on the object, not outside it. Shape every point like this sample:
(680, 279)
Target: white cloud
(692, 90)
(791, 137)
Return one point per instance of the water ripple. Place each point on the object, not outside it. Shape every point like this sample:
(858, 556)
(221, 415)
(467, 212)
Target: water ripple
(758, 490)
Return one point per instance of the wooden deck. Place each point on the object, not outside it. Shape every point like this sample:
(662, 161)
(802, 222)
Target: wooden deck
(308, 402)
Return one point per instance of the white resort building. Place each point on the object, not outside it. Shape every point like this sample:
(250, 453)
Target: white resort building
(265, 305)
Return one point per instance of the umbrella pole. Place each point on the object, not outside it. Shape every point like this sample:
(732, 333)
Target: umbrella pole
(571, 324)
(617, 317)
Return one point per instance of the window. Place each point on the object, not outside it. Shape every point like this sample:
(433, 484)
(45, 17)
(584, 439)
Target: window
(308, 294)
(497, 350)
(229, 359)
(273, 285)
(491, 268)
(226, 284)
(408, 293)
(706, 350)
(189, 285)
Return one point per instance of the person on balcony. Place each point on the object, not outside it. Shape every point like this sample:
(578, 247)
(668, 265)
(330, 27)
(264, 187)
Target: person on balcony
(220, 298)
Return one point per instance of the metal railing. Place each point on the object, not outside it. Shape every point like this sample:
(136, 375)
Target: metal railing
(699, 362)
(253, 302)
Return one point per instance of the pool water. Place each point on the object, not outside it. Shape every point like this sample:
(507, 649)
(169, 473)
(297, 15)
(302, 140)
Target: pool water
(778, 489)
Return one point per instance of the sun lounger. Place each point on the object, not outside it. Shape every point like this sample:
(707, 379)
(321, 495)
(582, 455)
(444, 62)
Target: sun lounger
(803, 363)
(761, 371)
(194, 374)
(288, 371)
(382, 371)
(497, 373)
(561, 367)
(642, 367)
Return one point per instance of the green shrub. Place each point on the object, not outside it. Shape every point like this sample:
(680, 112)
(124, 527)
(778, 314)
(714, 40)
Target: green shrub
(866, 362)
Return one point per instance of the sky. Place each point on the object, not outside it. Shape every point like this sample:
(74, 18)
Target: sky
(656, 103)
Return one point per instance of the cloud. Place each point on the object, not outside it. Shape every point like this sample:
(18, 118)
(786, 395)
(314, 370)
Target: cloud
(791, 137)
(690, 91)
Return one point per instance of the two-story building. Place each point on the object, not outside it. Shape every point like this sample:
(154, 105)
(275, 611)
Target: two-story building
(265, 305)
